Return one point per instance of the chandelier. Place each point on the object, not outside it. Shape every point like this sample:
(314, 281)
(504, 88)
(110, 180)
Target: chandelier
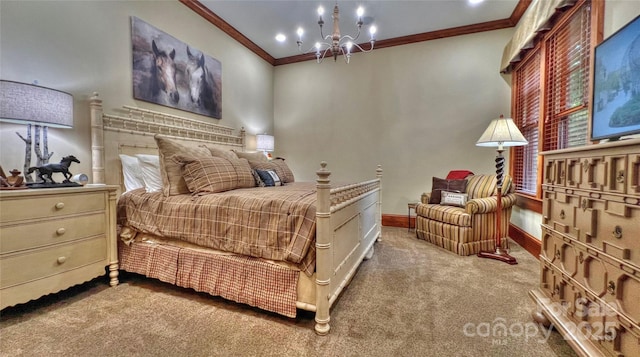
(337, 44)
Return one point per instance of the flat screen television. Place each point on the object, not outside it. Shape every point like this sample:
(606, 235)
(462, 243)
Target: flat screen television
(616, 84)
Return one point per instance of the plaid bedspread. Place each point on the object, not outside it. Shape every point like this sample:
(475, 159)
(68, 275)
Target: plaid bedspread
(276, 223)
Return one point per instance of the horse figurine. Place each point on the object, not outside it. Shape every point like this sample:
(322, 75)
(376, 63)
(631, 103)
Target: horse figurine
(48, 169)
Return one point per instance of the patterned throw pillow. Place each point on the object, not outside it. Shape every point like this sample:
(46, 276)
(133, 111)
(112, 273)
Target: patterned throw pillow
(256, 177)
(281, 169)
(171, 171)
(454, 199)
(440, 185)
(214, 174)
(269, 177)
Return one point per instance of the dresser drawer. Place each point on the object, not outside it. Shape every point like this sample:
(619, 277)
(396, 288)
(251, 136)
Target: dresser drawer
(27, 236)
(51, 206)
(20, 268)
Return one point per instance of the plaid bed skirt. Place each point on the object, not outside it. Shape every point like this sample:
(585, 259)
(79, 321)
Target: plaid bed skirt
(242, 279)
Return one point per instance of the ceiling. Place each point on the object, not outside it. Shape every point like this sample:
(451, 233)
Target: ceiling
(260, 20)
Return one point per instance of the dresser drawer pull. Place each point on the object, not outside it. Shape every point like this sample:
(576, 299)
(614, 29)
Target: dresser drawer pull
(611, 288)
(61, 260)
(60, 205)
(583, 204)
(581, 258)
(60, 231)
(562, 215)
(617, 232)
(620, 177)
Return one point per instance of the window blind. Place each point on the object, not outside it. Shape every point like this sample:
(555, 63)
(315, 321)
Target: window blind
(527, 111)
(567, 82)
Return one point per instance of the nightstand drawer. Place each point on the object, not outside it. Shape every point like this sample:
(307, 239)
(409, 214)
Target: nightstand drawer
(28, 236)
(41, 263)
(51, 206)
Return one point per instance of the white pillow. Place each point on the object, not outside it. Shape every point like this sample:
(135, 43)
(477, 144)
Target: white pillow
(132, 172)
(150, 165)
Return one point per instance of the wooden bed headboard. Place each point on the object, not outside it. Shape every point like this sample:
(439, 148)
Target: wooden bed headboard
(131, 132)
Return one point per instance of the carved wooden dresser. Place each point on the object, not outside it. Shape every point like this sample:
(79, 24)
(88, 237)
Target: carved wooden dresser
(590, 256)
(54, 238)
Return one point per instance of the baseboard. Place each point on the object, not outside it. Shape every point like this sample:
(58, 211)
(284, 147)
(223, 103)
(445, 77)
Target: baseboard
(530, 243)
(397, 220)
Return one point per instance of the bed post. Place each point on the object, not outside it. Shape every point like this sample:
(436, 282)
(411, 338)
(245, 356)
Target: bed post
(323, 249)
(243, 136)
(97, 140)
(379, 215)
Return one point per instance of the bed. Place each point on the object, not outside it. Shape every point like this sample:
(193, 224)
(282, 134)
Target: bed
(344, 222)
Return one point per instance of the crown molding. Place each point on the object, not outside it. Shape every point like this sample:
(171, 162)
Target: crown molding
(217, 21)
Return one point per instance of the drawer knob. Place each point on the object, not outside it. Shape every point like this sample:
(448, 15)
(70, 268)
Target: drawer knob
(583, 204)
(61, 260)
(562, 215)
(60, 231)
(60, 205)
(620, 177)
(617, 232)
(581, 258)
(611, 288)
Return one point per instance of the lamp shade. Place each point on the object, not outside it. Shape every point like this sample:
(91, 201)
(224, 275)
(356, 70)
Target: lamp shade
(264, 142)
(31, 104)
(502, 132)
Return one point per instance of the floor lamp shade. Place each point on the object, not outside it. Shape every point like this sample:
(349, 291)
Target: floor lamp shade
(264, 142)
(23, 103)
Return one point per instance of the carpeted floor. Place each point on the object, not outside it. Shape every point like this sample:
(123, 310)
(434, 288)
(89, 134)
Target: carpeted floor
(410, 299)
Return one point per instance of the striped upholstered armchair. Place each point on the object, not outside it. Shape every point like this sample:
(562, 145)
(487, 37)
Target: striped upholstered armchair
(469, 229)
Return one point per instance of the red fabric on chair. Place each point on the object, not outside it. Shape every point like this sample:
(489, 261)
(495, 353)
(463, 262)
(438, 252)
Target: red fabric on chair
(458, 174)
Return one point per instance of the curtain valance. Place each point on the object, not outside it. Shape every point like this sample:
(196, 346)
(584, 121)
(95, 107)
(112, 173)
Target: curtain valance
(535, 20)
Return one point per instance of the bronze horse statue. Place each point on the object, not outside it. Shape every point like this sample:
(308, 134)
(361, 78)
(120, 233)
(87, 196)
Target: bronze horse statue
(48, 169)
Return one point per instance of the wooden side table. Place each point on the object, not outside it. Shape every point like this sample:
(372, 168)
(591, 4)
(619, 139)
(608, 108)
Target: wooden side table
(54, 238)
(410, 206)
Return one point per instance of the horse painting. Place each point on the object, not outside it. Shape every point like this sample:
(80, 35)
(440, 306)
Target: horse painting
(169, 72)
(202, 86)
(163, 73)
(46, 171)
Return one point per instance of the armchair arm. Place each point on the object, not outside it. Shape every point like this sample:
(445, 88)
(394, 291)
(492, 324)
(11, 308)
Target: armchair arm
(489, 204)
(425, 197)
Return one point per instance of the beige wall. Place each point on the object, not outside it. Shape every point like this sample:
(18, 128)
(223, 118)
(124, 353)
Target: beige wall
(85, 46)
(416, 109)
(617, 13)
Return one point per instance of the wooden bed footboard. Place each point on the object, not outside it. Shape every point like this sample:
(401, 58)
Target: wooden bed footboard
(348, 222)
(348, 218)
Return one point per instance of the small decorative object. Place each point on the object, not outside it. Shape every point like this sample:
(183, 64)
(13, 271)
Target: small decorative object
(46, 171)
(13, 182)
(81, 179)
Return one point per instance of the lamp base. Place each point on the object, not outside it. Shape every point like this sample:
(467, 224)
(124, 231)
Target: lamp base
(500, 255)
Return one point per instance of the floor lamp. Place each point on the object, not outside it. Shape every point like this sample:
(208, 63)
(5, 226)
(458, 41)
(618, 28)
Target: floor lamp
(501, 133)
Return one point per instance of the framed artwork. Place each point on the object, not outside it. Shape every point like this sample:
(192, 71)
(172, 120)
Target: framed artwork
(169, 72)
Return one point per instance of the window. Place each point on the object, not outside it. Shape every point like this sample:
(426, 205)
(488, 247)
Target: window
(551, 95)
(527, 111)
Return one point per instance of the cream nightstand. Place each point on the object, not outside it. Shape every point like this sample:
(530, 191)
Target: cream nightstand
(52, 239)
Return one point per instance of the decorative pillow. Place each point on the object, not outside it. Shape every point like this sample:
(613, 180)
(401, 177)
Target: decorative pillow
(251, 156)
(218, 152)
(453, 199)
(132, 172)
(171, 171)
(150, 166)
(440, 185)
(258, 180)
(214, 174)
(269, 177)
(281, 169)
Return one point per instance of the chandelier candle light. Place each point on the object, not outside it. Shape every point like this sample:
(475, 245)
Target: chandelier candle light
(336, 43)
(502, 132)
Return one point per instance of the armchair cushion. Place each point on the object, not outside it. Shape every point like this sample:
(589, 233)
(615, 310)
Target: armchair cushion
(438, 185)
(447, 214)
